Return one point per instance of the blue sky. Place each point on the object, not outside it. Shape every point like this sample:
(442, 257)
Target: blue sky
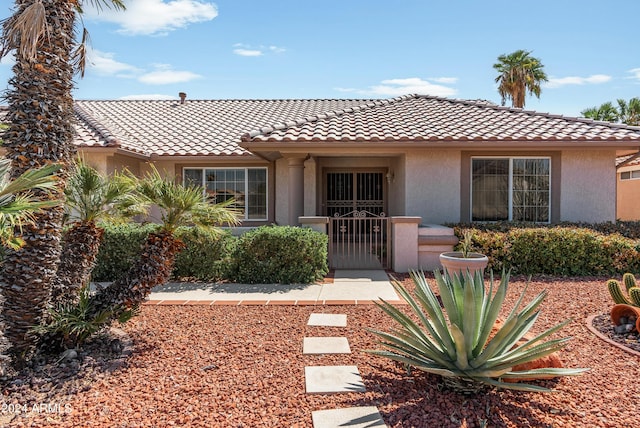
(358, 49)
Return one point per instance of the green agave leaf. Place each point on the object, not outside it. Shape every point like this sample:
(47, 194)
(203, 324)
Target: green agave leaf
(525, 356)
(544, 373)
(461, 353)
(408, 324)
(435, 369)
(446, 294)
(516, 386)
(409, 345)
(492, 313)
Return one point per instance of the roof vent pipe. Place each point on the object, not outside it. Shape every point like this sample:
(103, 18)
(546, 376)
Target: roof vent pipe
(183, 96)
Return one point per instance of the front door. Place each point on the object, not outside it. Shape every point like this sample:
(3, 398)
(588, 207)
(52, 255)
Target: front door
(348, 192)
(358, 226)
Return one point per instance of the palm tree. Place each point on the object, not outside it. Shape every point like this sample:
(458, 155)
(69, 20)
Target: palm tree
(90, 197)
(607, 112)
(40, 116)
(629, 112)
(17, 206)
(519, 73)
(179, 206)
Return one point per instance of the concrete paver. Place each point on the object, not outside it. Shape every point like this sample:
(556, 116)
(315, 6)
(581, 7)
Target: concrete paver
(325, 345)
(327, 320)
(333, 379)
(352, 417)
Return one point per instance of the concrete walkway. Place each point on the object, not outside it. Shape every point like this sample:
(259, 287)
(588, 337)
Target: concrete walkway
(349, 287)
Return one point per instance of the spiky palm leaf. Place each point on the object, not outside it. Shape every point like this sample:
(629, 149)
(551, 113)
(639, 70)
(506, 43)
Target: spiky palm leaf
(179, 206)
(91, 197)
(519, 73)
(454, 341)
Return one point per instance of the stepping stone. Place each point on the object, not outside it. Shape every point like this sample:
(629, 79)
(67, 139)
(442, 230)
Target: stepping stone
(325, 345)
(352, 417)
(333, 379)
(328, 320)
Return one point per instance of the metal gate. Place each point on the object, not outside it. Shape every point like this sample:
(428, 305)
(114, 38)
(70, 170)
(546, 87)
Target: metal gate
(358, 240)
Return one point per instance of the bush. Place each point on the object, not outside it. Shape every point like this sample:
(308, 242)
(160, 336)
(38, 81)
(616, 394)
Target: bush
(566, 250)
(207, 256)
(281, 254)
(121, 247)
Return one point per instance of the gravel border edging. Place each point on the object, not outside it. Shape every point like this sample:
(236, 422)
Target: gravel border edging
(606, 339)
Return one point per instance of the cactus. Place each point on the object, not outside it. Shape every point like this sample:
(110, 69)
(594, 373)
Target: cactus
(634, 294)
(616, 292)
(629, 281)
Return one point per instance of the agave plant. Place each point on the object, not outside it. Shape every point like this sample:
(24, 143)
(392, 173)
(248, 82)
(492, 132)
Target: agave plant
(456, 341)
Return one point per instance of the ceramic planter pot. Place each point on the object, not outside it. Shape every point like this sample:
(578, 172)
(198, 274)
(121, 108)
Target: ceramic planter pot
(621, 310)
(455, 264)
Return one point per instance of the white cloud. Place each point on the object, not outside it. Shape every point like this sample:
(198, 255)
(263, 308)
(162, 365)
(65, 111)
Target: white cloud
(164, 75)
(155, 17)
(635, 73)
(247, 50)
(412, 85)
(104, 63)
(556, 82)
(148, 97)
(445, 80)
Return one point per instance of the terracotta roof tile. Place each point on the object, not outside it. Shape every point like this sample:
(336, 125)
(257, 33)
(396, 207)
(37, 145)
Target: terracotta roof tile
(195, 128)
(427, 118)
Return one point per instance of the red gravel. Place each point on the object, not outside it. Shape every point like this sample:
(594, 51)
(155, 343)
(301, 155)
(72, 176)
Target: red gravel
(230, 366)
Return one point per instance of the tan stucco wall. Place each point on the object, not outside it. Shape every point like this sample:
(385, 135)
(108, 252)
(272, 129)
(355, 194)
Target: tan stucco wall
(282, 191)
(588, 186)
(433, 185)
(628, 201)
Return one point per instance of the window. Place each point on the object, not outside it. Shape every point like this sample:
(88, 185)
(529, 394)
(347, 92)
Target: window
(514, 189)
(247, 186)
(630, 175)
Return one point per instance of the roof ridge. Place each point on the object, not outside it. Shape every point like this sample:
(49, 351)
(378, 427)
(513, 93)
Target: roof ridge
(367, 104)
(485, 104)
(95, 125)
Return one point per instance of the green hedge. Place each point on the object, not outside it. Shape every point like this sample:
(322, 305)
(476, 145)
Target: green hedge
(121, 246)
(269, 254)
(281, 254)
(566, 250)
(206, 257)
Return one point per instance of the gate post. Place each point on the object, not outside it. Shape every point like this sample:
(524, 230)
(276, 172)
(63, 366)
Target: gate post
(317, 223)
(404, 233)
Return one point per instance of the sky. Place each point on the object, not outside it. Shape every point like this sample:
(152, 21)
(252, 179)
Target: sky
(287, 49)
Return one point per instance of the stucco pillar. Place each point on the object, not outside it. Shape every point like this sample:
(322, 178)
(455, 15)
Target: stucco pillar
(296, 189)
(404, 231)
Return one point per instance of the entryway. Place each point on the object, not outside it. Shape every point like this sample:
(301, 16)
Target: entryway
(359, 229)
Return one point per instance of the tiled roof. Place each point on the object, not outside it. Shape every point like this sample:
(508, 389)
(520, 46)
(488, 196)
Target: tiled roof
(222, 127)
(428, 118)
(195, 128)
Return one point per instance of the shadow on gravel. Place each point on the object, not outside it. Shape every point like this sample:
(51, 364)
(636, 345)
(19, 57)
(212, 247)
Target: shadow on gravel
(420, 399)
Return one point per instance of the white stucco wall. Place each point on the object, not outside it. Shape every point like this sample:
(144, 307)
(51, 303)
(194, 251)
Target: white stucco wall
(433, 185)
(588, 186)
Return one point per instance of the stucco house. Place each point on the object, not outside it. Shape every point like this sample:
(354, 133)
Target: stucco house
(628, 187)
(412, 161)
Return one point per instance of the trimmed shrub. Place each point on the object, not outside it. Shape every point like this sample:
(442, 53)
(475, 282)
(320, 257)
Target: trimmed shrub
(207, 256)
(281, 254)
(121, 247)
(565, 250)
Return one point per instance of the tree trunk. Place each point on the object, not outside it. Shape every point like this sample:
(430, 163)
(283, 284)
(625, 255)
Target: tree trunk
(153, 268)
(40, 132)
(80, 246)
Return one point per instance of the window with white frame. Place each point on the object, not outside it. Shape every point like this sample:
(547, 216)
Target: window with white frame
(247, 186)
(630, 175)
(511, 189)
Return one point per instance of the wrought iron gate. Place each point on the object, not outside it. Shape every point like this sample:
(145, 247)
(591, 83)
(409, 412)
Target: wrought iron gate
(358, 228)
(358, 240)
